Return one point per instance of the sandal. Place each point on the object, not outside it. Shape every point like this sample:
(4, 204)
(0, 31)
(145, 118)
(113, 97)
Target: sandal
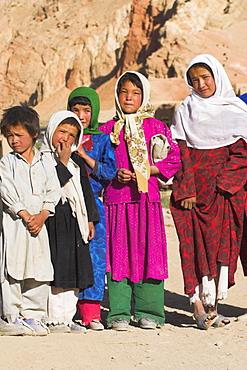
(219, 322)
(202, 321)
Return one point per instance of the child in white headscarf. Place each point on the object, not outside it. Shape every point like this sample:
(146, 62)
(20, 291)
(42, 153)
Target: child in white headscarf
(72, 226)
(208, 190)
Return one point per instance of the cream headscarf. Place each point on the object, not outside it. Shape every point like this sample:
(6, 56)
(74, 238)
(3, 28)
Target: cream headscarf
(134, 134)
(214, 122)
(72, 190)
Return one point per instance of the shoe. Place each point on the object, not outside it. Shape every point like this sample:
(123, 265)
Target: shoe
(147, 323)
(120, 325)
(206, 321)
(221, 322)
(38, 327)
(95, 325)
(59, 328)
(10, 329)
(27, 330)
(77, 328)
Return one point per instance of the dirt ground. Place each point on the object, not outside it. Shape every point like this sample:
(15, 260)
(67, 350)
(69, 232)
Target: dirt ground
(178, 345)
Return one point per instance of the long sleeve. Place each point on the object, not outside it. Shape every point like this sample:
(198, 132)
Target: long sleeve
(28, 187)
(105, 168)
(169, 165)
(92, 211)
(233, 175)
(10, 193)
(31, 187)
(184, 181)
(63, 173)
(53, 190)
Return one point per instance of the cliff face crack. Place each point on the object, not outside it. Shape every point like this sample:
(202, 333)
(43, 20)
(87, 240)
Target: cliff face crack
(143, 37)
(49, 48)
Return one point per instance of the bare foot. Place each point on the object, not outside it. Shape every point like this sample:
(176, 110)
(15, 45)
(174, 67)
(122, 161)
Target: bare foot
(203, 320)
(221, 321)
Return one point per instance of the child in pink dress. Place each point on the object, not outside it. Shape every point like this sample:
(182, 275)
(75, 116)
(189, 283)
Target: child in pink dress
(136, 241)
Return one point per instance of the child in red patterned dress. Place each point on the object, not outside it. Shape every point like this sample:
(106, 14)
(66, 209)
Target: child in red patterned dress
(208, 191)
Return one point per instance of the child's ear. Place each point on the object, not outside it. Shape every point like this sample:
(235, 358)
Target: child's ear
(36, 135)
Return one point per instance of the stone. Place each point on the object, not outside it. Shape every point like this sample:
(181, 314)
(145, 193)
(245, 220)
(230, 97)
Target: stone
(49, 48)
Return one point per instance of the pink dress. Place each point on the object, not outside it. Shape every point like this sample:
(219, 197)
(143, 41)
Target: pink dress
(136, 240)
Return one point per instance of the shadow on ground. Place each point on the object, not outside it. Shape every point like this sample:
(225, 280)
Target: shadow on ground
(174, 303)
(181, 303)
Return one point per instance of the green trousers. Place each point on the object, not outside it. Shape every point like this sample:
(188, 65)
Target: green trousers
(148, 299)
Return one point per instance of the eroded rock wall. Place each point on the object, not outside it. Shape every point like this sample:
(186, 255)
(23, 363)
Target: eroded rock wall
(46, 45)
(50, 47)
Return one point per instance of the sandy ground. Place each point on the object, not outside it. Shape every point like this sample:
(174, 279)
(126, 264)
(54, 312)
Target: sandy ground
(178, 345)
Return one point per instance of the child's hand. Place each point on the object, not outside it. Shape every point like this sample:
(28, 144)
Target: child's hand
(188, 203)
(124, 175)
(25, 215)
(154, 171)
(64, 152)
(91, 230)
(81, 151)
(89, 161)
(37, 221)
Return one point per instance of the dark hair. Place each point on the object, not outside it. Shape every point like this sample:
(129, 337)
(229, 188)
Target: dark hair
(132, 77)
(21, 115)
(81, 100)
(202, 65)
(73, 122)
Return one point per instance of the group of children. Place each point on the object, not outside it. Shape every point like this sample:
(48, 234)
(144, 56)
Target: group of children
(59, 240)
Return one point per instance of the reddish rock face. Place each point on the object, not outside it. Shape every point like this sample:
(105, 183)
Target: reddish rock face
(49, 48)
(143, 36)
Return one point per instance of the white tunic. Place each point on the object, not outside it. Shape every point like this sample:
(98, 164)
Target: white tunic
(32, 187)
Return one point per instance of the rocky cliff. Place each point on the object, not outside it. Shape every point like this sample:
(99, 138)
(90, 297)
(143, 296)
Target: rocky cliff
(50, 47)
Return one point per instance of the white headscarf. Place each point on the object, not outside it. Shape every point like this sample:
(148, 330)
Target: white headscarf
(134, 134)
(72, 190)
(214, 122)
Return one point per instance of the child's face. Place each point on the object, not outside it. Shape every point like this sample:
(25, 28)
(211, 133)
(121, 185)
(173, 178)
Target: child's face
(84, 113)
(130, 97)
(19, 139)
(203, 81)
(64, 133)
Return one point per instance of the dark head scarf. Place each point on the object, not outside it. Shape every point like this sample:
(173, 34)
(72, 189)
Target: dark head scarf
(92, 95)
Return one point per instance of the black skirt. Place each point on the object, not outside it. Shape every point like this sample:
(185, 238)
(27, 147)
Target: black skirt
(70, 255)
